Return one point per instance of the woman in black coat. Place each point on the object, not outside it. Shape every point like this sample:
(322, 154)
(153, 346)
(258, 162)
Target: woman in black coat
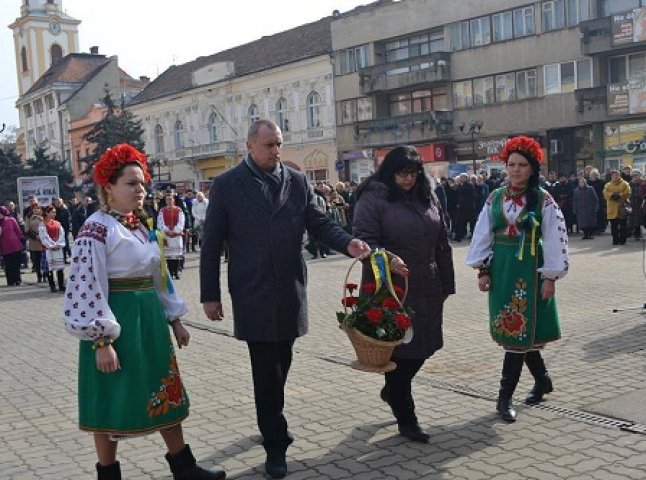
(598, 183)
(397, 210)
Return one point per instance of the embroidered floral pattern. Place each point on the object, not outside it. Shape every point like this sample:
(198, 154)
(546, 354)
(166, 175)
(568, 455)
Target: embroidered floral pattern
(171, 392)
(511, 321)
(94, 230)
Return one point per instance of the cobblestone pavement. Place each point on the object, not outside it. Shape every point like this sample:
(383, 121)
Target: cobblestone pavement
(342, 429)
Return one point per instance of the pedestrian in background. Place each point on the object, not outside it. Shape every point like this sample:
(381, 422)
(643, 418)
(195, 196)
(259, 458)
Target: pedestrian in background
(52, 237)
(34, 245)
(598, 183)
(63, 216)
(398, 211)
(585, 205)
(520, 249)
(616, 193)
(199, 215)
(171, 221)
(262, 209)
(636, 216)
(120, 306)
(11, 247)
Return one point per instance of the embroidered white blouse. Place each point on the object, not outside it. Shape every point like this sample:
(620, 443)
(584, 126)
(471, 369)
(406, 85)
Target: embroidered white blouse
(553, 234)
(106, 249)
(174, 245)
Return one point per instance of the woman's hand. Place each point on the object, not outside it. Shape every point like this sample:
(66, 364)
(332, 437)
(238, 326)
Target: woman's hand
(548, 288)
(398, 266)
(181, 334)
(107, 360)
(484, 283)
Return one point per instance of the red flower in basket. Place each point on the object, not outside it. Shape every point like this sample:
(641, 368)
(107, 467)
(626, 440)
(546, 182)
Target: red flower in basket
(349, 301)
(402, 320)
(351, 287)
(390, 302)
(375, 315)
(368, 288)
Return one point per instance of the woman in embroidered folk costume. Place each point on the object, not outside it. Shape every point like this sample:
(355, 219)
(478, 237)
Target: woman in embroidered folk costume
(520, 248)
(120, 302)
(171, 221)
(397, 210)
(52, 236)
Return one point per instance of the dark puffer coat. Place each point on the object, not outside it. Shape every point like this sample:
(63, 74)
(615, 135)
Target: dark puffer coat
(417, 235)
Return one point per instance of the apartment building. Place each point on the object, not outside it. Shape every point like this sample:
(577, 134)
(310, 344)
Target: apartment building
(457, 79)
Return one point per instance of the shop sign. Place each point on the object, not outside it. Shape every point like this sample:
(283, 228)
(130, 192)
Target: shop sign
(622, 28)
(627, 98)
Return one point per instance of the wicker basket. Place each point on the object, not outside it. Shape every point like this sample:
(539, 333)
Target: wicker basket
(372, 355)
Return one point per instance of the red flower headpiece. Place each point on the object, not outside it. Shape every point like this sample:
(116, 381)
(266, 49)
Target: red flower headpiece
(527, 147)
(120, 154)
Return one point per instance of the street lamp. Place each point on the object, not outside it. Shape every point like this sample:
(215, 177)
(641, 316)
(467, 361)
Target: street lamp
(159, 163)
(475, 126)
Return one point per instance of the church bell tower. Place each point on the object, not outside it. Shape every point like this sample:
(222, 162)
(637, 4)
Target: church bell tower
(42, 35)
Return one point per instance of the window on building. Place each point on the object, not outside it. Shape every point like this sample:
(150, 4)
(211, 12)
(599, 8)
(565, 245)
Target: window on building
(27, 110)
(436, 40)
(38, 106)
(553, 15)
(179, 135)
(159, 139)
(526, 84)
(40, 133)
(364, 109)
(502, 26)
(483, 91)
(51, 132)
(352, 59)
(314, 176)
(480, 31)
(281, 114)
(23, 59)
(577, 11)
(618, 72)
(636, 66)
(213, 128)
(506, 87)
(613, 7)
(313, 110)
(399, 104)
(56, 53)
(567, 76)
(254, 113)
(348, 111)
(463, 94)
(49, 101)
(524, 23)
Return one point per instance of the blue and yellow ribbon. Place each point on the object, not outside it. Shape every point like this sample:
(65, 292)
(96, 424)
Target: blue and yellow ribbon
(527, 222)
(158, 237)
(381, 271)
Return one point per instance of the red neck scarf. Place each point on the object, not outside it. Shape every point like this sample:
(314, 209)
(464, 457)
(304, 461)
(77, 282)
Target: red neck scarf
(171, 216)
(53, 229)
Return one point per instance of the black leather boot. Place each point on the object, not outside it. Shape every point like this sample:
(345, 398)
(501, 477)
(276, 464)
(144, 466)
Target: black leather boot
(398, 394)
(542, 380)
(50, 280)
(184, 467)
(109, 472)
(511, 368)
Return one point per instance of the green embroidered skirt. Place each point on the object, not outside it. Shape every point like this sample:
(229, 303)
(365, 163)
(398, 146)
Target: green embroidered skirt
(519, 319)
(146, 394)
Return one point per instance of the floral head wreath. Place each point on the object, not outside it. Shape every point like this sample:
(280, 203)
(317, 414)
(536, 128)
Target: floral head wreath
(527, 147)
(116, 156)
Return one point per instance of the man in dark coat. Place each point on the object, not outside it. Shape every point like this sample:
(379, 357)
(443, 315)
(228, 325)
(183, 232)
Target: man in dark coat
(466, 207)
(64, 218)
(261, 209)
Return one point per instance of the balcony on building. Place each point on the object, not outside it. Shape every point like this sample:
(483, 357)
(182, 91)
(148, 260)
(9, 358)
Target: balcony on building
(592, 104)
(412, 128)
(611, 34)
(207, 150)
(425, 70)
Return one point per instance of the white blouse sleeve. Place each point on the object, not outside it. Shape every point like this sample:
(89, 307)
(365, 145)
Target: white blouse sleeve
(47, 240)
(181, 220)
(555, 241)
(174, 306)
(86, 311)
(481, 248)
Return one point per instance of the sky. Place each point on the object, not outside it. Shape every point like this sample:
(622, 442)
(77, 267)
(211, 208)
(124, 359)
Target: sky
(150, 35)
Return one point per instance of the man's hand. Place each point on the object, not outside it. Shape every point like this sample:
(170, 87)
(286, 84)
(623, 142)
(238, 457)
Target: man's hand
(213, 310)
(358, 248)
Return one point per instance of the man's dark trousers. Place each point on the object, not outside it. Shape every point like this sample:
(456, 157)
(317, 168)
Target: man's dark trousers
(270, 363)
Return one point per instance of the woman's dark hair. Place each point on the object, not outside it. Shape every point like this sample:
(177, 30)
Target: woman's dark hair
(402, 159)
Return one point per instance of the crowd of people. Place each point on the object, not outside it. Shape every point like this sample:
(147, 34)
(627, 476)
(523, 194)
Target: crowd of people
(39, 237)
(589, 201)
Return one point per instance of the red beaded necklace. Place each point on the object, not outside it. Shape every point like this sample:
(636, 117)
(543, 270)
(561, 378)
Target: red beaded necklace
(130, 221)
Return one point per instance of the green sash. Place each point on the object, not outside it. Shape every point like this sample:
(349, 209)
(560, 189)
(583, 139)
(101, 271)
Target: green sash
(519, 319)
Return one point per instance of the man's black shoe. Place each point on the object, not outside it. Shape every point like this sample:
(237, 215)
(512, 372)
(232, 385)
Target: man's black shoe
(414, 432)
(276, 465)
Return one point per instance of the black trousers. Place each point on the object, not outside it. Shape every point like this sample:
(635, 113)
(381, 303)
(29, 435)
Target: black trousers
(464, 218)
(399, 389)
(270, 363)
(618, 229)
(12, 267)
